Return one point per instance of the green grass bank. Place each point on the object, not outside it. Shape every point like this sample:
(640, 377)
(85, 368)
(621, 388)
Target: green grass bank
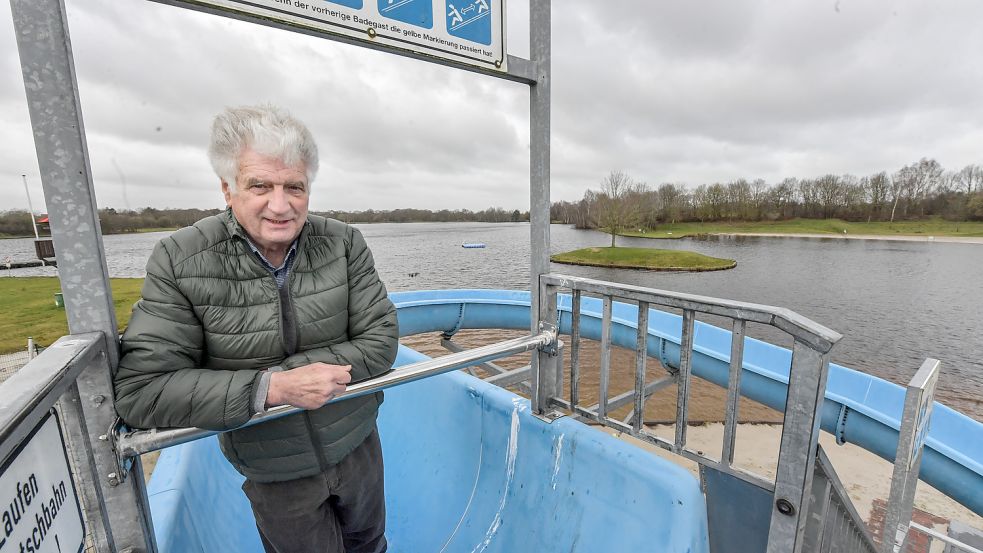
(644, 258)
(28, 308)
(832, 227)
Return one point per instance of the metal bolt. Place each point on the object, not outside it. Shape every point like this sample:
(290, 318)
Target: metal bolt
(98, 399)
(785, 507)
(113, 479)
(371, 32)
(498, 64)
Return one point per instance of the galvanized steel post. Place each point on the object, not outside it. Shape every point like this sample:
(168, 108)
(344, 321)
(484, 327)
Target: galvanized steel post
(116, 513)
(544, 365)
(800, 439)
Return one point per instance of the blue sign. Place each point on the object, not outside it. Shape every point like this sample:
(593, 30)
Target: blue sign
(356, 4)
(470, 20)
(414, 12)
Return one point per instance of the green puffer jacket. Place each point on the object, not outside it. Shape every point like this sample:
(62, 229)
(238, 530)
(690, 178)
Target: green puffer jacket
(209, 323)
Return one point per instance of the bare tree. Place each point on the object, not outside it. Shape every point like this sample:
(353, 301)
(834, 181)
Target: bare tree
(670, 200)
(877, 188)
(616, 210)
(899, 186)
(970, 179)
(829, 191)
(783, 195)
(759, 198)
(586, 214)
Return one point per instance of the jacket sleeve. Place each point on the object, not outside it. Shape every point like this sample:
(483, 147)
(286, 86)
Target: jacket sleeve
(160, 382)
(373, 333)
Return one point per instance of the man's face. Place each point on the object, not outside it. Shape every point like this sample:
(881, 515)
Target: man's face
(271, 201)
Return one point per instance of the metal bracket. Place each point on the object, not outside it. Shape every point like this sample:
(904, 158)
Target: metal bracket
(551, 348)
(123, 464)
(549, 416)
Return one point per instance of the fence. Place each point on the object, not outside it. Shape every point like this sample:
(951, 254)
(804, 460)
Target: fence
(12, 362)
(833, 523)
(791, 491)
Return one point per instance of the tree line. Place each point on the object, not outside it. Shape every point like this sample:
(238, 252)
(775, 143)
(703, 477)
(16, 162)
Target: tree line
(921, 189)
(490, 215)
(113, 221)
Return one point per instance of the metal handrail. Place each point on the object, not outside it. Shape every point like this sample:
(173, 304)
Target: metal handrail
(808, 371)
(34, 389)
(137, 442)
(802, 328)
(952, 542)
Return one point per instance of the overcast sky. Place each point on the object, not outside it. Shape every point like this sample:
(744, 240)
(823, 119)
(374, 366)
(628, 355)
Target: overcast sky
(670, 91)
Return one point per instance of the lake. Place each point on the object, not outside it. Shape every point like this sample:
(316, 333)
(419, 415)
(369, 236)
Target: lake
(896, 303)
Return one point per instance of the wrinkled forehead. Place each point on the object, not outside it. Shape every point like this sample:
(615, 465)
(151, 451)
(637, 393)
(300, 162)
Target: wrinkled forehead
(254, 165)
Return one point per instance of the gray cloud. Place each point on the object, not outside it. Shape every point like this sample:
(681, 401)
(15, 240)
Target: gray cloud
(670, 91)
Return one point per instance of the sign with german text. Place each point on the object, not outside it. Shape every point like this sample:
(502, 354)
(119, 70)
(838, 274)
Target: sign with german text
(467, 31)
(39, 510)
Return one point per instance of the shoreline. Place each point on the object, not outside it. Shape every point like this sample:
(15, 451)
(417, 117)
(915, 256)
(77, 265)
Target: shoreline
(639, 268)
(884, 237)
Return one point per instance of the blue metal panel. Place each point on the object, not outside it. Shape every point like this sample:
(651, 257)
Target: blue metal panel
(738, 513)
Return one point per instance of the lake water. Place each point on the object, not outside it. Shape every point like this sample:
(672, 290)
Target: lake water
(896, 303)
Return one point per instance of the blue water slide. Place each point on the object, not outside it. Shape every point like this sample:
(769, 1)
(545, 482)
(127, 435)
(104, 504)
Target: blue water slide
(859, 408)
(468, 470)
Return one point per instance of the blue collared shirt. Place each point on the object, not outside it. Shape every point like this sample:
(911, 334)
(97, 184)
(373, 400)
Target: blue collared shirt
(280, 273)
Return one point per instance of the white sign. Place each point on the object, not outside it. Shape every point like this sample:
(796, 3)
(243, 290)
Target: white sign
(466, 31)
(39, 510)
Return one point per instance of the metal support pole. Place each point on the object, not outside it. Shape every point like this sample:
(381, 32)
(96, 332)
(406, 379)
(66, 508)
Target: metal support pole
(800, 439)
(543, 362)
(539, 146)
(117, 514)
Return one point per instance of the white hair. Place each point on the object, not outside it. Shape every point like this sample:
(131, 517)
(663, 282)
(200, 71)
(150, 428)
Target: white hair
(266, 129)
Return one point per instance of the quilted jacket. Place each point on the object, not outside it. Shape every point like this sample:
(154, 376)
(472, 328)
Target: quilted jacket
(209, 322)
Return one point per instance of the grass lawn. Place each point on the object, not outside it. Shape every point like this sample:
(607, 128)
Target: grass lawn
(644, 258)
(929, 227)
(27, 308)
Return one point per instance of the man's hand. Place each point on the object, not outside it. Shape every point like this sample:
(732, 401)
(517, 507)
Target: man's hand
(309, 386)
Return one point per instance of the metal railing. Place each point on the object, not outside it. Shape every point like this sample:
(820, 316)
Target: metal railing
(833, 523)
(806, 387)
(131, 444)
(28, 396)
(952, 545)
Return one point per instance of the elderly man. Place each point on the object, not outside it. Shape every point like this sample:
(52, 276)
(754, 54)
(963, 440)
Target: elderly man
(266, 305)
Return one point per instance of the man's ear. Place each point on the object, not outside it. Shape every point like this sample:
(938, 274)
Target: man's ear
(227, 192)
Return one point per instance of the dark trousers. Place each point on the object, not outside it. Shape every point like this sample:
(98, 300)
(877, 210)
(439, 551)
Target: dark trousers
(341, 510)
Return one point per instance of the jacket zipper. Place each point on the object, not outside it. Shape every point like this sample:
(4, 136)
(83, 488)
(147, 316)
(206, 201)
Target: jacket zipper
(311, 431)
